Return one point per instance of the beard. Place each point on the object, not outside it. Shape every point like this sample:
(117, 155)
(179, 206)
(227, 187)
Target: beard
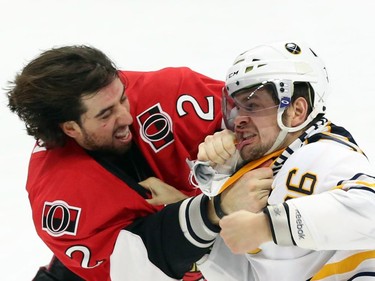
(105, 147)
(249, 154)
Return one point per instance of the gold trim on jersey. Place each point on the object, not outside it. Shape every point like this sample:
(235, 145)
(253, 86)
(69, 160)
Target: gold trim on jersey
(250, 166)
(344, 266)
(340, 139)
(355, 183)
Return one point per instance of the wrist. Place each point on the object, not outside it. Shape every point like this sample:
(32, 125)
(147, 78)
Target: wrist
(213, 214)
(213, 218)
(220, 213)
(215, 210)
(265, 228)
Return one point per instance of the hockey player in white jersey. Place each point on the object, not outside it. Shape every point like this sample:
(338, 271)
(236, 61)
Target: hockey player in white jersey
(319, 223)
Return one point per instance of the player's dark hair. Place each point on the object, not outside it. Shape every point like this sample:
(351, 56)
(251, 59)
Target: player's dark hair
(304, 90)
(301, 89)
(49, 89)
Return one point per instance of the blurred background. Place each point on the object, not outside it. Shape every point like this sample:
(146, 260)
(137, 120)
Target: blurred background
(149, 35)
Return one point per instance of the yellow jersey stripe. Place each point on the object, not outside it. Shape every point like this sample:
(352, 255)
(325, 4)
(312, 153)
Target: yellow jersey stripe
(344, 266)
(250, 166)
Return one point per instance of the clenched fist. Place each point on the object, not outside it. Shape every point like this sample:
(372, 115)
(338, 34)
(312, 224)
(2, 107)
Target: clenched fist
(218, 147)
(245, 231)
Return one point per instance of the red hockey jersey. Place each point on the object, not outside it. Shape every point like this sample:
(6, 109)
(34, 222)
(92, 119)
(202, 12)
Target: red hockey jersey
(80, 209)
(173, 109)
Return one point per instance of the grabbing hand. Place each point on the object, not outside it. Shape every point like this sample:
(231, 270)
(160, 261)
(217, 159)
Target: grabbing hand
(162, 193)
(218, 147)
(249, 193)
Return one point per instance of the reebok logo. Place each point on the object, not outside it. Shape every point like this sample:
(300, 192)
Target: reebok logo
(299, 223)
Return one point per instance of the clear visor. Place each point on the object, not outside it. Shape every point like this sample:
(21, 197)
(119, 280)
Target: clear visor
(258, 100)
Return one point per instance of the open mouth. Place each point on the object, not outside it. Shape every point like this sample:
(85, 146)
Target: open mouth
(123, 135)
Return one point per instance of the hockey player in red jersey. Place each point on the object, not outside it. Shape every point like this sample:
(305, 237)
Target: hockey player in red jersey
(100, 132)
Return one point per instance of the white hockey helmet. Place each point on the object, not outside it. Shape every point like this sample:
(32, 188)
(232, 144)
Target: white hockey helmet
(281, 64)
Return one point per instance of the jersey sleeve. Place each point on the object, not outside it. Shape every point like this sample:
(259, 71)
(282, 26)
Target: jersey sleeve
(177, 236)
(337, 215)
(79, 208)
(102, 229)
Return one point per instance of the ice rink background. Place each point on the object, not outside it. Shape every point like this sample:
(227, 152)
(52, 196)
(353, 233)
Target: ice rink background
(205, 35)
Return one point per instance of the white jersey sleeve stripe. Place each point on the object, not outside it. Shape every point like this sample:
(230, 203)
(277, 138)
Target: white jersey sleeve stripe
(195, 227)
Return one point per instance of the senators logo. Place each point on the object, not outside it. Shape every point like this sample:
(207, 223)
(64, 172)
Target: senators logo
(59, 218)
(156, 127)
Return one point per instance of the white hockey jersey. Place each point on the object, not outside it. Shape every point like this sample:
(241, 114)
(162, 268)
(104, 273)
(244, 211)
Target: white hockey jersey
(325, 229)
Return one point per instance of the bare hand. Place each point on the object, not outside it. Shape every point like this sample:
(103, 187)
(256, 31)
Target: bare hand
(249, 193)
(245, 231)
(162, 193)
(218, 147)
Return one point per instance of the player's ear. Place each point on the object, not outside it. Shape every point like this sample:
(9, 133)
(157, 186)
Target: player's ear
(71, 128)
(300, 108)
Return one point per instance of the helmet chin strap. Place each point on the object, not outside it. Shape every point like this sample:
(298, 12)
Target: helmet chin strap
(309, 118)
(284, 130)
(280, 138)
